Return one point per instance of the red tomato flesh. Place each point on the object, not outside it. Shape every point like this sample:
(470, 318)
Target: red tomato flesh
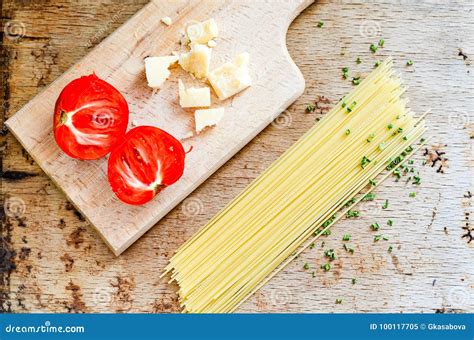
(90, 118)
(148, 160)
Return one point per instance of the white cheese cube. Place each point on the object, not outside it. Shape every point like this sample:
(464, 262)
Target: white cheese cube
(167, 21)
(207, 117)
(196, 61)
(211, 43)
(156, 69)
(202, 32)
(187, 135)
(232, 77)
(194, 96)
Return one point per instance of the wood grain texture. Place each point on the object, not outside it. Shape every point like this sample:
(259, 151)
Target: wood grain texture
(245, 26)
(61, 265)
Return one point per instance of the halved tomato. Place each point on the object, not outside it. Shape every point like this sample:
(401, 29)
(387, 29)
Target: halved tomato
(90, 117)
(148, 160)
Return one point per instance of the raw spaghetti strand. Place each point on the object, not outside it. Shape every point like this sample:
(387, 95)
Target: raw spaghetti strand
(247, 242)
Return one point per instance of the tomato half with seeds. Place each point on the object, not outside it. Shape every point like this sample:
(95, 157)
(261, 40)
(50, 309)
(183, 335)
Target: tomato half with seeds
(148, 160)
(90, 118)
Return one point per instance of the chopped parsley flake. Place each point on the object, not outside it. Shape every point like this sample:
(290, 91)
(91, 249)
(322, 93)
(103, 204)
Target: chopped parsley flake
(351, 107)
(377, 238)
(306, 266)
(410, 62)
(310, 108)
(329, 221)
(348, 132)
(381, 42)
(350, 250)
(358, 61)
(330, 254)
(369, 197)
(356, 80)
(346, 237)
(377, 64)
(412, 194)
(390, 249)
(375, 226)
(352, 213)
(372, 182)
(390, 222)
(350, 202)
(326, 267)
(364, 162)
(345, 72)
(385, 205)
(320, 24)
(338, 301)
(373, 48)
(371, 137)
(354, 281)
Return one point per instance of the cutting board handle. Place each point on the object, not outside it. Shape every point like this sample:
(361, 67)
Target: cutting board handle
(298, 6)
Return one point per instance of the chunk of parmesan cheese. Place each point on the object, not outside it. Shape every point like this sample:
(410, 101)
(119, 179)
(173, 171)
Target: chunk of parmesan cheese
(207, 117)
(194, 96)
(232, 77)
(187, 135)
(196, 61)
(211, 43)
(202, 32)
(157, 70)
(167, 21)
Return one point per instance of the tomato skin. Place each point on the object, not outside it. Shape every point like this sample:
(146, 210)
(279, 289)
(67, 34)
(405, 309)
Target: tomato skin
(148, 160)
(90, 118)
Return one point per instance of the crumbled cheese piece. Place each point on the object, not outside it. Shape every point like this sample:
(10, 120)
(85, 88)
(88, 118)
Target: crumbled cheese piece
(156, 69)
(207, 117)
(232, 77)
(194, 96)
(211, 43)
(196, 61)
(188, 135)
(167, 21)
(202, 32)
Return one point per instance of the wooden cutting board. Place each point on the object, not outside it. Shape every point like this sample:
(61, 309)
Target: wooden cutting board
(257, 27)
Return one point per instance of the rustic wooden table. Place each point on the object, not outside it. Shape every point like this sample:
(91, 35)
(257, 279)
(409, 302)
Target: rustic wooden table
(52, 261)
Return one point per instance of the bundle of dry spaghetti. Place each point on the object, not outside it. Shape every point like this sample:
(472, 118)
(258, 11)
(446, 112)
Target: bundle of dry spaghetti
(248, 241)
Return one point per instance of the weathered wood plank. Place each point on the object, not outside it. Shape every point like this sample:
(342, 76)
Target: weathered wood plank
(61, 265)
